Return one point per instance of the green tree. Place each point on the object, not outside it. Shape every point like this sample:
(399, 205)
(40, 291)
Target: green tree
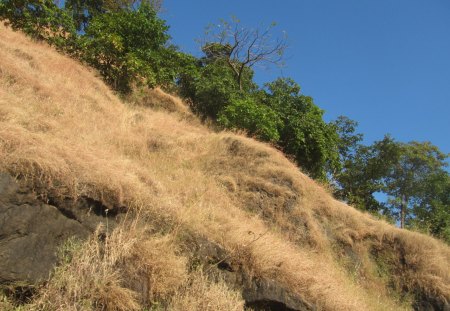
(407, 183)
(42, 20)
(130, 47)
(211, 86)
(349, 141)
(303, 132)
(432, 211)
(82, 11)
(363, 168)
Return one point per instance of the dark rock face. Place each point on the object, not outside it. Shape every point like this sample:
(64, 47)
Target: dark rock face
(260, 294)
(266, 295)
(31, 231)
(425, 303)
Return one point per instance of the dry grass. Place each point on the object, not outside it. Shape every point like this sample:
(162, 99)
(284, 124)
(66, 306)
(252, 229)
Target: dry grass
(126, 271)
(5, 304)
(64, 132)
(91, 278)
(200, 294)
(157, 99)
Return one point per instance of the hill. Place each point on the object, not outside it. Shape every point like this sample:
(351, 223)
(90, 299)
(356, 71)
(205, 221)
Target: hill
(171, 215)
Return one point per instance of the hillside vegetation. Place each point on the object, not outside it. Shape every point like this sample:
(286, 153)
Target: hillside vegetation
(129, 45)
(65, 134)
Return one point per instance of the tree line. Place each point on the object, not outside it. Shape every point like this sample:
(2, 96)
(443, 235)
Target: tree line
(128, 43)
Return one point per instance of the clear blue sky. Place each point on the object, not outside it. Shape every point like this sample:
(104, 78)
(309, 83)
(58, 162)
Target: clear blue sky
(385, 63)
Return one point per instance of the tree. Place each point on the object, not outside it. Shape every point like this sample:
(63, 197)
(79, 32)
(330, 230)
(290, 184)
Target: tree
(349, 140)
(40, 19)
(83, 11)
(211, 86)
(129, 46)
(303, 132)
(432, 211)
(242, 47)
(417, 165)
(364, 169)
(411, 176)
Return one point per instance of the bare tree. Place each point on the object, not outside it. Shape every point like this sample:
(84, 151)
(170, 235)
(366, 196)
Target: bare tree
(243, 47)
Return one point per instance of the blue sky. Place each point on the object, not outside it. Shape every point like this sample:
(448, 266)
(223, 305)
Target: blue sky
(385, 63)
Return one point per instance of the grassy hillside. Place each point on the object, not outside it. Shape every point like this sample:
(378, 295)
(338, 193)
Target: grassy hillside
(66, 135)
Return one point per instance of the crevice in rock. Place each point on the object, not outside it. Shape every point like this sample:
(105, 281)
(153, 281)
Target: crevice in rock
(99, 209)
(19, 294)
(259, 293)
(32, 229)
(68, 213)
(225, 266)
(268, 305)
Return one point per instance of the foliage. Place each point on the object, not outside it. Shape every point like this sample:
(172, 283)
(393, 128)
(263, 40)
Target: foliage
(42, 20)
(416, 166)
(82, 11)
(432, 212)
(209, 89)
(410, 176)
(126, 46)
(303, 132)
(279, 114)
(258, 120)
(363, 170)
(129, 46)
(211, 86)
(349, 141)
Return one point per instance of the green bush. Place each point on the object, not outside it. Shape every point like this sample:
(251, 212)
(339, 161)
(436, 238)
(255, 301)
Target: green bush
(257, 119)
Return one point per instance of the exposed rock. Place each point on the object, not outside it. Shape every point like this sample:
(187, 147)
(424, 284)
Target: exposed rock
(427, 303)
(31, 231)
(260, 294)
(267, 295)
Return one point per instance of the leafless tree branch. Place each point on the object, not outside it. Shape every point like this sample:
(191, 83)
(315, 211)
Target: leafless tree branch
(244, 47)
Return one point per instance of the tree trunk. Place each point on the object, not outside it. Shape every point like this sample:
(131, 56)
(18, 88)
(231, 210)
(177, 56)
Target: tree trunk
(403, 212)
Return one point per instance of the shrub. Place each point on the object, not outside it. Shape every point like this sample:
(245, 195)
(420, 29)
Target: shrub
(257, 119)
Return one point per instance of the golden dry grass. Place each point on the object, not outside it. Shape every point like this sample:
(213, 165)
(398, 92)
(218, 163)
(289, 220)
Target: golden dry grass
(200, 294)
(65, 133)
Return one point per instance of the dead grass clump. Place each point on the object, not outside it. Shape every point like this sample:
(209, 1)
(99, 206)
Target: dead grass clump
(153, 269)
(411, 262)
(5, 304)
(125, 271)
(159, 100)
(88, 278)
(201, 294)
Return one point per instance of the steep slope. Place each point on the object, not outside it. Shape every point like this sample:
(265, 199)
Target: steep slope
(206, 217)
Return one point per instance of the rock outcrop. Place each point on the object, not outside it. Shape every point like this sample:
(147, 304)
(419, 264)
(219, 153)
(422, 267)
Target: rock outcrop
(31, 230)
(260, 294)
